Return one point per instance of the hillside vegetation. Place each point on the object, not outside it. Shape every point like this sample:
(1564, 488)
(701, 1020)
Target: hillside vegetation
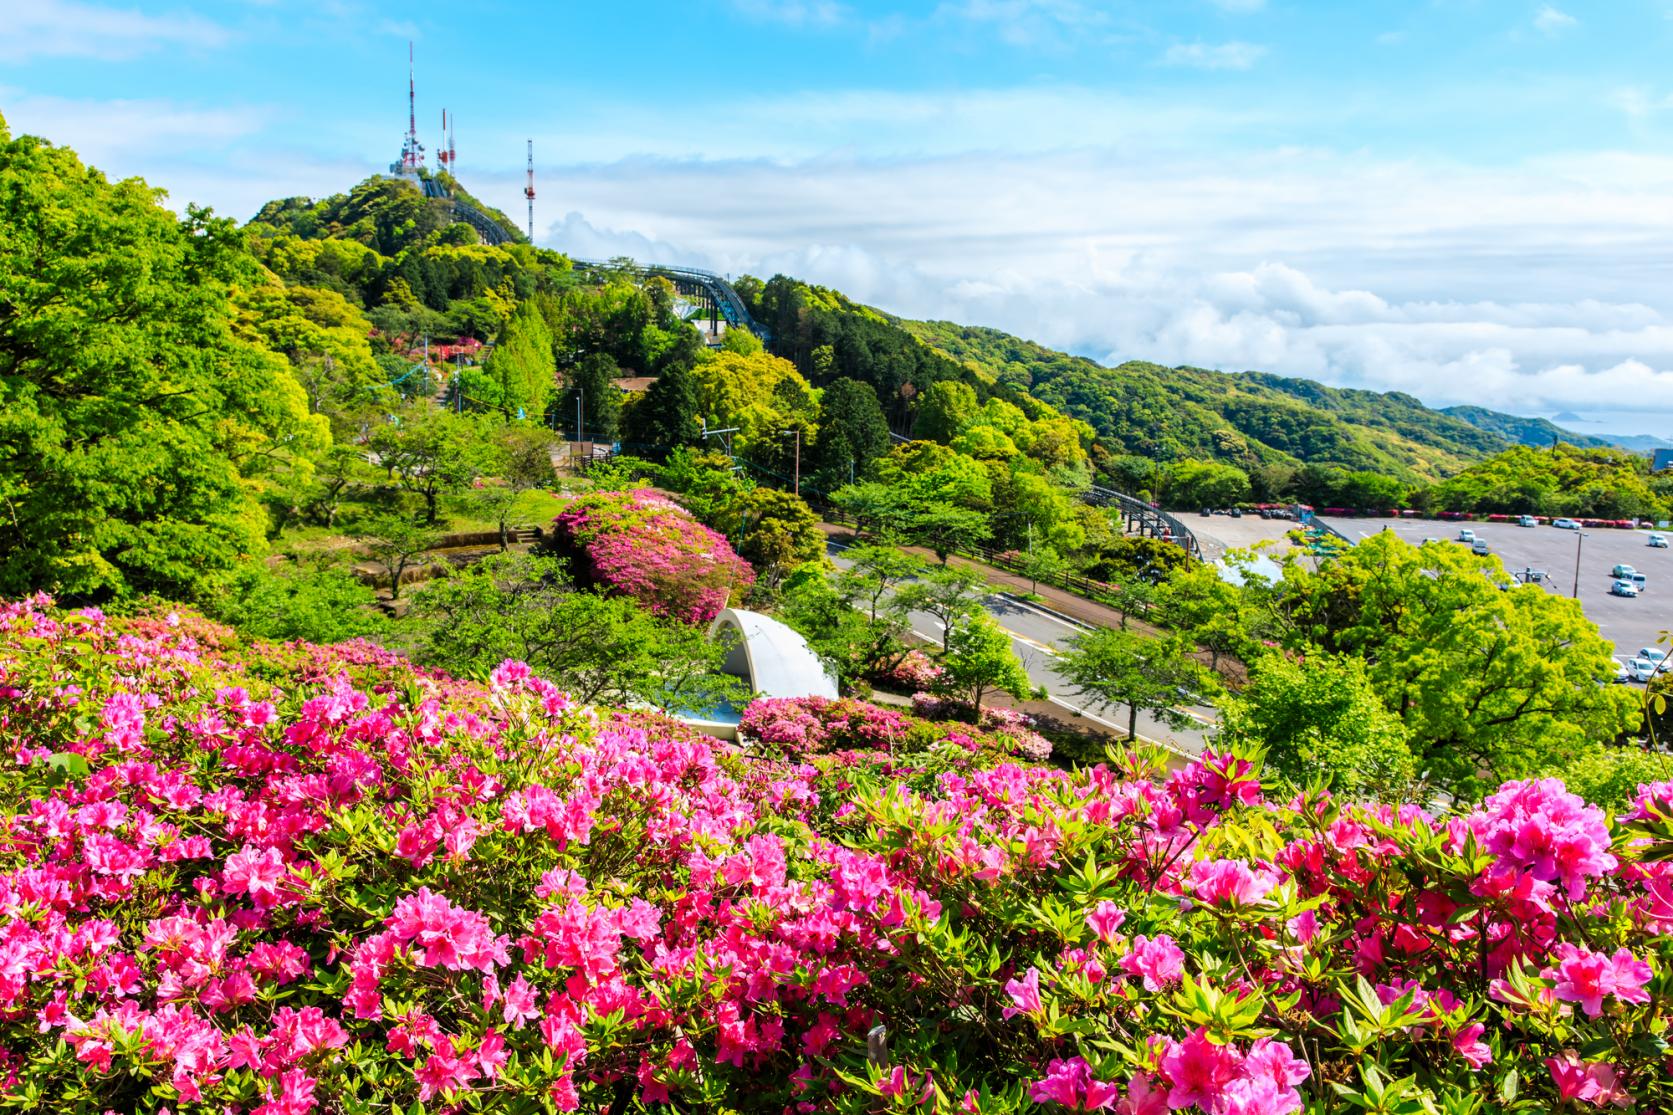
(1247, 420)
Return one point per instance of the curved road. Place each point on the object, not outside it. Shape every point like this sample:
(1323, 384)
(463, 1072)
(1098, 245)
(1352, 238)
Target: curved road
(1037, 636)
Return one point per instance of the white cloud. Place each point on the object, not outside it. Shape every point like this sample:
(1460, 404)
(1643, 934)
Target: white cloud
(1552, 22)
(1214, 56)
(64, 28)
(795, 13)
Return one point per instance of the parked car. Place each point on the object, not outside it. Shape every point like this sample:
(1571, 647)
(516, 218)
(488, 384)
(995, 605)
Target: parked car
(1527, 521)
(1623, 571)
(1622, 588)
(1480, 548)
(1622, 674)
(1654, 654)
(1236, 513)
(1640, 580)
(1641, 669)
(1466, 536)
(1658, 541)
(1565, 524)
(1534, 576)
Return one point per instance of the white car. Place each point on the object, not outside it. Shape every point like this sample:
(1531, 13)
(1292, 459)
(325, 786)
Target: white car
(1641, 669)
(1623, 588)
(1565, 524)
(1466, 536)
(1622, 674)
(1652, 654)
(1658, 541)
(1527, 521)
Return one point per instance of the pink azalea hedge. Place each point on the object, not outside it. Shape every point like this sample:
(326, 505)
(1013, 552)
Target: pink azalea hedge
(290, 879)
(642, 545)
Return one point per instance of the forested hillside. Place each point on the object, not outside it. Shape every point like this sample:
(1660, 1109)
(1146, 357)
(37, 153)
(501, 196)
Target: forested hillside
(1247, 420)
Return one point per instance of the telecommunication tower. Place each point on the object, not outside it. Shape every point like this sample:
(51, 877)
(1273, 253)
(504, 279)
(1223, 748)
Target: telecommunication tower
(412, 152)
(528, 191)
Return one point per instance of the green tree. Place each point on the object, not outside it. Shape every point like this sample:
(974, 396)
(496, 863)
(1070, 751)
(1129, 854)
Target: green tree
(667, 415)
(1320, 721)
(522, 364)
(1199, 604)
(599, 649)
(1113, 667)
(394, 543)
(429, 453)
(944, 410)
(778, 532)
(1490, 683)
(592, 383)
(952, 594)
(1206, 484)
(138, 432)
(829, 613)
(979, 661)
(1041, 564)
(944, 529)
(852, 433)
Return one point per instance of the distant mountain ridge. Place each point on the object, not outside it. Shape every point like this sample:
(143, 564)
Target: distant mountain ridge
(1543, 432)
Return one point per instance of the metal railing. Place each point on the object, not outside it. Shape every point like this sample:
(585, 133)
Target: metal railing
(1152, 521)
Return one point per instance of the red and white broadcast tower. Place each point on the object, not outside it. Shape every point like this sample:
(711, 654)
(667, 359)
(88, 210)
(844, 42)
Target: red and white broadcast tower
(528, 191)
(447, 155)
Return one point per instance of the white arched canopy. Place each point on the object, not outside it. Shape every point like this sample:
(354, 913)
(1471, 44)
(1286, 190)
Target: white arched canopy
(772, 659)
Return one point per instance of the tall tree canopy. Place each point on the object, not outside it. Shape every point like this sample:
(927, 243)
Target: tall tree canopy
(136, 428)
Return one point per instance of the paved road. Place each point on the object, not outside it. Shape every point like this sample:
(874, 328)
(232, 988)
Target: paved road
(1037, 636)
(1628, 622)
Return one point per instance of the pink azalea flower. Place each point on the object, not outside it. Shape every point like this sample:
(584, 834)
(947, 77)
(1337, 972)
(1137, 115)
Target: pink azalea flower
(1104, 919)
(1199, 1070)
(1025, 995)
(1159, 962)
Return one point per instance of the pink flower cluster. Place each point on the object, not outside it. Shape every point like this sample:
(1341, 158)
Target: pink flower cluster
(277, 878)
(642, 545)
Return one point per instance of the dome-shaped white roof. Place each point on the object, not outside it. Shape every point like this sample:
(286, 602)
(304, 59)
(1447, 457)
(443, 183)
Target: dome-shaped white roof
(772, 658)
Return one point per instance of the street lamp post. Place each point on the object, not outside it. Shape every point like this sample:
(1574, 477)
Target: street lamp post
(1579, 537)
(798, 433)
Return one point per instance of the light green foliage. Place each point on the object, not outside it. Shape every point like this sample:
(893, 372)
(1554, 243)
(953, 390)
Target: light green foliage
(1041, 564)
(596, 648)
(522, 364)
(744, 391)
(324, 338)
(1114, 667)
(953, 594)
(741, 341)
(1611, 776)
(777, 532)
(852, 618)
(978, 661)
(1600, 483)
(395, 544)
(430, 453)
(1205, 484)
(318, 603)
(1320, 722)
(945, 409)
(1491, 684)
(137, 432)
(1198, 604)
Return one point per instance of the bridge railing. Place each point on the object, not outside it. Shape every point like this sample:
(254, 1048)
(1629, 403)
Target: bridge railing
(1148, 516)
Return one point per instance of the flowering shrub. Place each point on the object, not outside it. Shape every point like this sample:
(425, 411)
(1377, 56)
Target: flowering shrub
(1015, 729)
(804, 726)
(639, 544)
(285, 879)
(915, 672)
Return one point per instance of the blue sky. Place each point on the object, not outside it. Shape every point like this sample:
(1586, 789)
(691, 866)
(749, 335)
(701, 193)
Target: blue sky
(1470, 200)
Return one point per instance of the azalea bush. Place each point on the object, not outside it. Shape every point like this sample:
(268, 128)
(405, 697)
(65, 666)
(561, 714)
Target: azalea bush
(638, 543)
(286, 879)
(799, 727)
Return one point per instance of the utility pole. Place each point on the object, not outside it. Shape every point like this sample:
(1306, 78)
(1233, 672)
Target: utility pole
(798, 433)
(1579, 537)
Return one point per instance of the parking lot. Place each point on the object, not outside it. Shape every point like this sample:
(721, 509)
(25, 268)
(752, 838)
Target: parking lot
(1628, 622)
